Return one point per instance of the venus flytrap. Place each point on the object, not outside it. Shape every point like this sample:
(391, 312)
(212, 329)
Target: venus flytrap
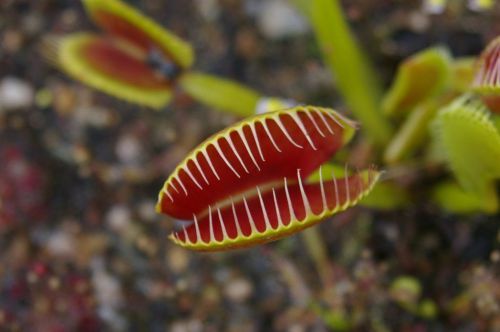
(137, 60)
(471, 146)
(251, 181)
(468, 74)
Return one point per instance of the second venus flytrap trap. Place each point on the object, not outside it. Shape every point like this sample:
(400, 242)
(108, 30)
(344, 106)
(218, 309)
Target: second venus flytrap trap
(249, 183)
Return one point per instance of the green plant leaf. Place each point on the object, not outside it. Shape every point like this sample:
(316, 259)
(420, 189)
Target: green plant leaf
(471, 145)
(354, 75)
(451, 197)
(419, 77)
(220, 93)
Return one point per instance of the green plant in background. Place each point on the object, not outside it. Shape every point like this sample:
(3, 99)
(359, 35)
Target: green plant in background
(139, 61)
(421, 91)
(419, 78)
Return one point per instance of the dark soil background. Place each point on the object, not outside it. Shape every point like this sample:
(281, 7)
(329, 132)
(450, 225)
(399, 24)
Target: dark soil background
(82, 249)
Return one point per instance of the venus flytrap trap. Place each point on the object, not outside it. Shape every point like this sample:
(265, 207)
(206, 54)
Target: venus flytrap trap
(468, 117)
(139, 61)
(135, 59)
(471, 146)
(251, 181)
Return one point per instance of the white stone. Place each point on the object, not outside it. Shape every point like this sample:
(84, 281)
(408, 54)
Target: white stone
(15, 93)
(278, 19)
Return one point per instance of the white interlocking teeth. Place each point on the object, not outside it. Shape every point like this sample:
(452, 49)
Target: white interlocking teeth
(289, 202)
(256, 139)
(280, 124)
(253, 227)
(231, 145)
(278, 214)
(238, 228)
(322, 187)
(174, 186)
(191, 176)
(323, 119)
(223, 227)
(264, 212)
(268, 132)
(303, 129)
(177, 183)
(305, 200)
(165, 191)
(336, 190)
(209, 162)
(334, 118)
(211, 224)
(197, 228)
(186, 236)
(223, 156)
(198, 166)
(347, 190)
(247, 147)
(178, 178)
(183, 237)
(315, 124)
